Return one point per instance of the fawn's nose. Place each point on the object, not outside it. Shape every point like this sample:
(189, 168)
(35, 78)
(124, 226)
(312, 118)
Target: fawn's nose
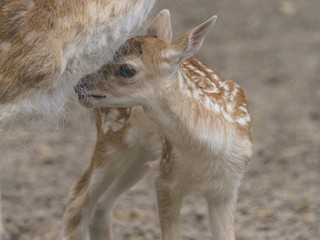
(81, 86)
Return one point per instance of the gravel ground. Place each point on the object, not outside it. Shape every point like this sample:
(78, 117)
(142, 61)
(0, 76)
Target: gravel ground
(271, 48)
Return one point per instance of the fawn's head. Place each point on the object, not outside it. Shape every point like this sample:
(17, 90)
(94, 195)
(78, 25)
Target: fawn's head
(142, 67)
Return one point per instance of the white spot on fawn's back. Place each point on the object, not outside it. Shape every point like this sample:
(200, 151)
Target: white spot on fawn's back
(244, 120)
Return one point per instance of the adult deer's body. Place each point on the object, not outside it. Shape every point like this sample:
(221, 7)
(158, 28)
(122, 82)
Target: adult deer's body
(201, 121)
(47, 45)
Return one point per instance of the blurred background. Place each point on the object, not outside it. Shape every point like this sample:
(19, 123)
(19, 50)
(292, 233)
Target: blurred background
(272, 49)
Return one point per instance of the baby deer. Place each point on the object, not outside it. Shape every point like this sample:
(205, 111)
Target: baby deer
(199, 119)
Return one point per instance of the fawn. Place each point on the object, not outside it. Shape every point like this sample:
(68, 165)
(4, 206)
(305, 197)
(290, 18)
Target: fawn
(47, 45)
(191, 118)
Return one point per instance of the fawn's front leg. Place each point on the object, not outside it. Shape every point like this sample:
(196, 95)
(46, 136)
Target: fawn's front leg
(169, 195)
(169, 205)
(221, 214)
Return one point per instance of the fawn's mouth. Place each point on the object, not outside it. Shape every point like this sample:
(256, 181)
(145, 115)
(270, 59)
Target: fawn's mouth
(89, 100)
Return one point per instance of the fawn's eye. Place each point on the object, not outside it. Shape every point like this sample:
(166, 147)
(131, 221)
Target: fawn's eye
(126, 71)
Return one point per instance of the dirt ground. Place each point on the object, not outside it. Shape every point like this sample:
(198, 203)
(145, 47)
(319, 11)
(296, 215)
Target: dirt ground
(272, 49)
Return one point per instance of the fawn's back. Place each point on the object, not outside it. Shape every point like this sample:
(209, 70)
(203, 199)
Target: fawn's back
(223, 97)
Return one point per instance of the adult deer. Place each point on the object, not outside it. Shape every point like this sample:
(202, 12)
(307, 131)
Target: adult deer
(198, 119)
(46, 45)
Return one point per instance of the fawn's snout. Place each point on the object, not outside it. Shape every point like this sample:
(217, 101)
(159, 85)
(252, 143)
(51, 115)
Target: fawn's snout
(81, 86)
(86, 86)
(85, 95)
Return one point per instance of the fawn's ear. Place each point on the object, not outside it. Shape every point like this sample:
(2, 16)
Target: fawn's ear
(189, 43)
(161, 26)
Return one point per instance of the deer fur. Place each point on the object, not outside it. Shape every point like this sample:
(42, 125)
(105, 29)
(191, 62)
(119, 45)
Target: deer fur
(199, 120)
(47, 45)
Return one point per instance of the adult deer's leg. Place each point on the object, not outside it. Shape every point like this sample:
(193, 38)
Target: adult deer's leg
(110, 157)
(100, 227)
(87, 191)
(145, 144)
(117, 163)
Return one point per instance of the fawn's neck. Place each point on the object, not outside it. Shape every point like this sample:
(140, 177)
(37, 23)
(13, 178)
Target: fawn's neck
(181, 109)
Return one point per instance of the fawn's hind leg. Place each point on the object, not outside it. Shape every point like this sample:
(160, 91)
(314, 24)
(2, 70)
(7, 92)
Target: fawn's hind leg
(125, 141)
